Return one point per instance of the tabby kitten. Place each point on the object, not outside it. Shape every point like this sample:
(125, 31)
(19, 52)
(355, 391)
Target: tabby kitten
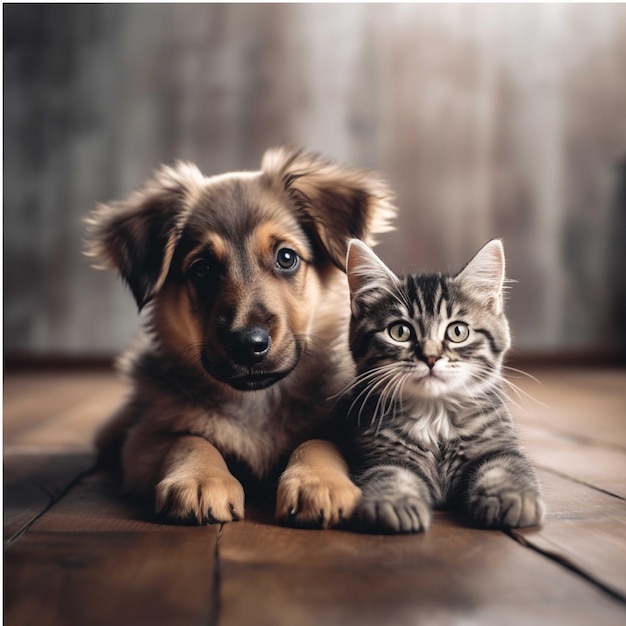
(430, 425)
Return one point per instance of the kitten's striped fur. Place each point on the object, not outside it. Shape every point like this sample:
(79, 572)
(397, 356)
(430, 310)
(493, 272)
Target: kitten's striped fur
(430, 425)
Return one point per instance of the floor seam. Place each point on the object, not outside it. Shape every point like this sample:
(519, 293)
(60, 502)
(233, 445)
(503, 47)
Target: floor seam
(578, 481)
(15, 537)
(215, 598)
(568, 565)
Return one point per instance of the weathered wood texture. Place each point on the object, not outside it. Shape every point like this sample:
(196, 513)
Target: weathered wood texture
(584, 404)
(90, 560)
(488, 121)
(59, 411)
(450, 575)
(69, 535)
(584, 529)
(33, 483)
(76, 552)
(574, 428)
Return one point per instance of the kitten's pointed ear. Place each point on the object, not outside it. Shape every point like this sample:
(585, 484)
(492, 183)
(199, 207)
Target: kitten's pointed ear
(484, 275)
(365, 270)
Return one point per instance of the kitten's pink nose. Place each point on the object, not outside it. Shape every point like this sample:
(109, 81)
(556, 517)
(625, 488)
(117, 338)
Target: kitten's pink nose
(431, 360)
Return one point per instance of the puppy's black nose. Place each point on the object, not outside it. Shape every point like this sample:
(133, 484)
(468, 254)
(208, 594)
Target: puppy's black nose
(248, 346)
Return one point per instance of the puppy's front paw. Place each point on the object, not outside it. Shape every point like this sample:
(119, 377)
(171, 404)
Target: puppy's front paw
(506, 509)
(315, 501)
(212, 499)
(399, 513)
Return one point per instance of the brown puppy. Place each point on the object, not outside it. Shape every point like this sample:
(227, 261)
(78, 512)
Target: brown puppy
(242, 277)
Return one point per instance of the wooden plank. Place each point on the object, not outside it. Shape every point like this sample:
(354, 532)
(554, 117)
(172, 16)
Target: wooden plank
(585, 529)
(17, 385)
(55, 412)
(33, 482)
(588, 403)
(449, 575)
(74, 428)
(93, 560)
(601, 467)
(20, 391)
(49, 395)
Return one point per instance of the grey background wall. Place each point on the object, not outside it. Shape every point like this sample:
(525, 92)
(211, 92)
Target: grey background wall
(505, 121)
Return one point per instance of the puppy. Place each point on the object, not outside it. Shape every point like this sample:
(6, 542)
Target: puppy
(245, 343)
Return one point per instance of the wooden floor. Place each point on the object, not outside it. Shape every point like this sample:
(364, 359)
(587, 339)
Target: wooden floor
(76, 553)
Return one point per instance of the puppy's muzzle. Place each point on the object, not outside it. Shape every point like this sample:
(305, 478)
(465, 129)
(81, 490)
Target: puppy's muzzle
(247, 346)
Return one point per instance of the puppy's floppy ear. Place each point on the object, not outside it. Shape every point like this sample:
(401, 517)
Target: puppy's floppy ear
(137, 235)
(334, 202)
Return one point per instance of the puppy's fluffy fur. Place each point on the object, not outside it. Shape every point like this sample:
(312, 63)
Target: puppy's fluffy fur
(242, 277)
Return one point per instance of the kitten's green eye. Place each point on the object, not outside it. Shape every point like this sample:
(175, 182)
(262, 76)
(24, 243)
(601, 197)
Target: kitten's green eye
(457, 332)
(400, 332)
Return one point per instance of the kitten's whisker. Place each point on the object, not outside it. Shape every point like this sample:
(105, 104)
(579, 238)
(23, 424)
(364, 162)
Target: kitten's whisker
(486, 372)
(371, 390)
(518, 371)
(523, 394)
(368, 391)
(473, 397)
(397, 393)
(361, 378)
(376, 407)
(393, 393)
(358, 380)
(519, 392)
(382, 400)
(393, 400)
(400, 394)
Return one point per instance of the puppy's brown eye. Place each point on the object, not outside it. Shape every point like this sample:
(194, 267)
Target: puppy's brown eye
(199, 269)
(287, 259)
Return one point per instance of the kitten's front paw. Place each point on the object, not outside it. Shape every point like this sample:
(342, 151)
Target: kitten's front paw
(506, 509)
(304, 499)
(214, 499)
(393, 514)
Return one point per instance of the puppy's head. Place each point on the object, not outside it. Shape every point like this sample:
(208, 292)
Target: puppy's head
(234, 266)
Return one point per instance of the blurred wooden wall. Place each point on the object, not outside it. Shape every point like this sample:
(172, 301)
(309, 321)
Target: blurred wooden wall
(505, 121)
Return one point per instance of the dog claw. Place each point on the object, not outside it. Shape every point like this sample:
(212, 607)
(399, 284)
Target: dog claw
(233, 513)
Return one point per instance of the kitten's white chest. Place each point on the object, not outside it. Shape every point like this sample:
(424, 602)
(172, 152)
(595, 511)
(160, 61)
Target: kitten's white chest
(431, 425)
